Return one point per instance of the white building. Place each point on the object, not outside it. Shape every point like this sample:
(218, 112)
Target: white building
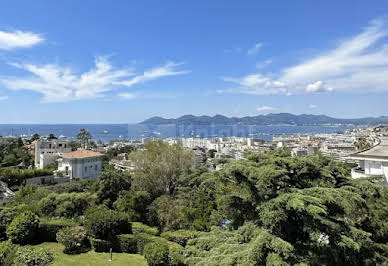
(299, 151)
(372, 162)
(81, 164)
(48, 151)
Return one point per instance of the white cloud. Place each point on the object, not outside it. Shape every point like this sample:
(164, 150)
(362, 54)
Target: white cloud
(265, 108)
(59, 84)
(318, 86)
(3, 98)
(18, 39)
(255, 49)
(257, 84)
(355, 64)
(313, 106)
(154, 73)
(127, 95)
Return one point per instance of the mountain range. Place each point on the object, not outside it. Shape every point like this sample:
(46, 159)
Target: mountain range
(269, 119)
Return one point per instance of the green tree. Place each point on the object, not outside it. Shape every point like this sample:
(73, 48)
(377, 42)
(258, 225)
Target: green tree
(35, 137)
(160, 167)
(84, 137)
(74, 145)
(167, 213)
(67, 205)
(362, 144)
(303, 210)
(110, 184)
(135, 204)
(51, 136)
(23, 228)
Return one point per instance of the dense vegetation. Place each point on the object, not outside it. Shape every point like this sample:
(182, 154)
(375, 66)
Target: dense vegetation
(14, 153)
(269, 209)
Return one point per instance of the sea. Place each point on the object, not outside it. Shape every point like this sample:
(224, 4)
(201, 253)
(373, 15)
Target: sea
(109, 132)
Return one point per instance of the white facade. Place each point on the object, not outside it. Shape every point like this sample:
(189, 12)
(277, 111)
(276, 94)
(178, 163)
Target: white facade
(372, 162)
(47, 151)
(81, 164)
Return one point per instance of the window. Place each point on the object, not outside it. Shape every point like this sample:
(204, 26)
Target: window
(67, 170)
(95, 167)
(60, 144)
(86, 169)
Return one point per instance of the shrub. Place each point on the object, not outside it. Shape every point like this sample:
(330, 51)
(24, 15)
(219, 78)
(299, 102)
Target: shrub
(23, 228)
(100, 245)
(175, 251)
(156, 253)
(68, 205)
(127, 243)
(106, 224)
(74, 239)
(143, 239)
(181, 236)
(6, 217)
(142, 228)
(48, 228)
(28, 256)
(176, 254)
(16, 177)
(7, 253)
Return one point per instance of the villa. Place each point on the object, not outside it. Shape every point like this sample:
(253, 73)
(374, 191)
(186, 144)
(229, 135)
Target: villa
(48, 151)
(372, 162)
(81, 164)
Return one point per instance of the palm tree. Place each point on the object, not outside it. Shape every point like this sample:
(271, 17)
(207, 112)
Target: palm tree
(83, 136)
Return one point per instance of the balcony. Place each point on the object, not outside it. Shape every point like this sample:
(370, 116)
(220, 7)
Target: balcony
(357, 172)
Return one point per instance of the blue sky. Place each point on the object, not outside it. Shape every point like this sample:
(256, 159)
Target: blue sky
(124, 61)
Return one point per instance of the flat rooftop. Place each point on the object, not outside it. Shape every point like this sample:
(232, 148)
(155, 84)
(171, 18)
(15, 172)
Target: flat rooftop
(379, 151)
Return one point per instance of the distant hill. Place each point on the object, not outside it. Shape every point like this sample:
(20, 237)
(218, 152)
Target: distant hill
(269, 119)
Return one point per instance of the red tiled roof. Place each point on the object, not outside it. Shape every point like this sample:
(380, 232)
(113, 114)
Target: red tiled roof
(82, 154)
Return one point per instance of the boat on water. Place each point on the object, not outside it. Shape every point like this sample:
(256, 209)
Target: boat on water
(105, 132)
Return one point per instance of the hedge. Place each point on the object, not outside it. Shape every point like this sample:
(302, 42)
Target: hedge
(138, 228)
(100, 245)
(176, 251)
(156, 253)
(16, 177)
(106, 224)
(181, 236)
(48, 228)
(143, 239)
(23, 229)
(127, 243)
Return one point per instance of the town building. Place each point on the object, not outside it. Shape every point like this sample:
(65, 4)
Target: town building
(81, 164)
(372, 162)
(48, 151)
